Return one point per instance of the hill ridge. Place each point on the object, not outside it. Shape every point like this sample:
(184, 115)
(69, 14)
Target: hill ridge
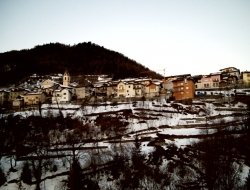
(82, 58)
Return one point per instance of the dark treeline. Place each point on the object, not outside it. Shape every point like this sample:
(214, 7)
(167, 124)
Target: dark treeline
(83, 58)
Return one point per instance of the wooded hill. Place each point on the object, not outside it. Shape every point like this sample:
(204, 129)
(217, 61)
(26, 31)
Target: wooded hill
(83, 58)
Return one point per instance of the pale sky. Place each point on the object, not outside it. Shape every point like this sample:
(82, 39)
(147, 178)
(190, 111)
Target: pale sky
(180, 36)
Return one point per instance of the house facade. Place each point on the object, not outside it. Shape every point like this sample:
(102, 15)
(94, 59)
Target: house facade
(125, 89)
(15, 92)
(152, 89)
(167, 88)
(80, 93)
(230, 71)
(62, 96)
(112, 89)
(34, 98)
(209, 81)
(183, 89)
(246, 78)
(139, 89)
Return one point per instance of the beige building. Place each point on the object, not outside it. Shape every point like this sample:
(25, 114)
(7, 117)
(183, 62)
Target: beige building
(134, 87)
(18, 103)
(47, 84)
(126, 89)
(34, 98)
(152, 89)
(15, 92)
(246, 78)
(80, 93)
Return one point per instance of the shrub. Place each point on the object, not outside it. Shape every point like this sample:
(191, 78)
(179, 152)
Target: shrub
(26, 175)
(2, 177)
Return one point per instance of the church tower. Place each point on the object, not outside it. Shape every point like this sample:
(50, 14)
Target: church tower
(66, 78)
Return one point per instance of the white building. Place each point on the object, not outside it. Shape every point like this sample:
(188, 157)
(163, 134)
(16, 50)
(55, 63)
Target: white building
(62, 96)
(125, 88)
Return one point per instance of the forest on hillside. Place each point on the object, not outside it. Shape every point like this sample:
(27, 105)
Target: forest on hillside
(83, 58)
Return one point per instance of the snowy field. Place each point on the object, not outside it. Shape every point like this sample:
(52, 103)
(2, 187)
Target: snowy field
(148, 119)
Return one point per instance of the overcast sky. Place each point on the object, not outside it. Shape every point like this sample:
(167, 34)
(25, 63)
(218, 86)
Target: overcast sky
(180, 36)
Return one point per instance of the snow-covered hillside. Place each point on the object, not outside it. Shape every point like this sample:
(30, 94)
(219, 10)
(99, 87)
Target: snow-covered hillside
(154, 122)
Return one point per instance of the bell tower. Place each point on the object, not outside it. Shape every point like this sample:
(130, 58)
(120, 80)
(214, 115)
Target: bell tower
(66, 78)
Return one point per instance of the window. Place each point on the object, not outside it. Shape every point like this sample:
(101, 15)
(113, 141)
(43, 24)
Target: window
(206, 85)
(64, 93)
(187, 88)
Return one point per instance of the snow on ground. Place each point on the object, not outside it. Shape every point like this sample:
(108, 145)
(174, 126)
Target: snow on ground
(187, 131)
(183, 142)
(160, 114)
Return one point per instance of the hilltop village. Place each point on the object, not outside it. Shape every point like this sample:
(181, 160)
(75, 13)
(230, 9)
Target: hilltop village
(63, 131)
(64, 88)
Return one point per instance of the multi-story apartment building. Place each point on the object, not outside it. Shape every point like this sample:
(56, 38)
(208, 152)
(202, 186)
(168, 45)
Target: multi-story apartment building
(183, 89)
(125, 89)
(230, 71)
(152, 89)
(209, 81)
